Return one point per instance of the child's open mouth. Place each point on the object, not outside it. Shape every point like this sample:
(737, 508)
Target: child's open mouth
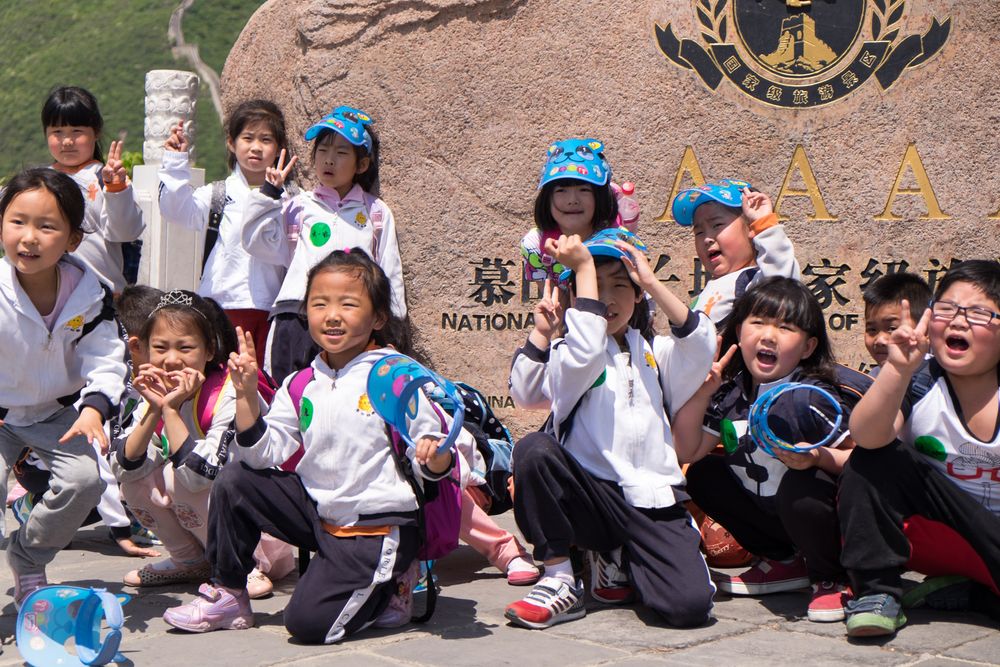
(767, 358)
(956, 343)
(714, 254)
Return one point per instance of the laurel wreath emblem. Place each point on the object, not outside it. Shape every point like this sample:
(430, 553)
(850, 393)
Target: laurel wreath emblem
(713, 19)
(886, 17)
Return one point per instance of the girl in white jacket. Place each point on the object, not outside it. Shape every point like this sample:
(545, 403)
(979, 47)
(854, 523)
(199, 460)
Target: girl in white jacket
(73, 124)
(605, 476)
(245, 285)
(62, 349)
(343, 211)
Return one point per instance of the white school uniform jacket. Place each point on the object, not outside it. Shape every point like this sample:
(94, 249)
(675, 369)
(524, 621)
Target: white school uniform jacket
(110, 219)
(347, 467)
(527, 377)
(232, 276)
(775, 257)
(199, 459)
(325, 222)
(621, 429)
(43, 371)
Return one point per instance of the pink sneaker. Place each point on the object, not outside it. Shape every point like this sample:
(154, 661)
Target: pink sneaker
(215, 608)
(522, 572)
(26, 584)
(767, 576)
(828, 601)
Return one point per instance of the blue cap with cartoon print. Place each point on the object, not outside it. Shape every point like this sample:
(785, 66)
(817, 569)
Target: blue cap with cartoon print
(604, 244)
(726, 191)
(579, 159)
(348, 122)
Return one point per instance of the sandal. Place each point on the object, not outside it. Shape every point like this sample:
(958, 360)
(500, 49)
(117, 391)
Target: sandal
(150, 575)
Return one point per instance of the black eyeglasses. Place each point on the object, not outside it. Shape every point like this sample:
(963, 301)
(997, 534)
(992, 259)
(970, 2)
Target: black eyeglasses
(946, 310)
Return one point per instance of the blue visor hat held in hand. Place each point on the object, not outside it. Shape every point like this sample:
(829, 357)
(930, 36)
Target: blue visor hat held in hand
(349, 122)
(579, 159)
(54, 615)
(393, 383)
(762, 432)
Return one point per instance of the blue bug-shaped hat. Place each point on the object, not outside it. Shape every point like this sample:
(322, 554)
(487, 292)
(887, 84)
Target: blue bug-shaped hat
(348, 122)
(53, 615)
(579, 159)
(727, 191)
(393, 383)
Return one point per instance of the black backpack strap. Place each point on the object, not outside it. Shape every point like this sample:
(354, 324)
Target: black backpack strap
(107, 312)
(214, 219)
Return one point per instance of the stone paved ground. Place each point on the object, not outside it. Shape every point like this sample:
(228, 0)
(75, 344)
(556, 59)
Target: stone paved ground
(469, 629)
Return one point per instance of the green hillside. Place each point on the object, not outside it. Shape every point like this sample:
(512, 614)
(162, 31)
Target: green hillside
(106, 46)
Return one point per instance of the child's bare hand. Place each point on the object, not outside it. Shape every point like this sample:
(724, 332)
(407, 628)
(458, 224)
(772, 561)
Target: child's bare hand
(186, 383)
(798, 460)
(714, 379)
(90, 425)
(569, 251)
(243, 370)
(277, 174)
(132, 549)
(177, 142)
(638, 266)
(909, 343)
(113, 172)
(426, 454)
(756, 205)
(548, 311)
(153, 384)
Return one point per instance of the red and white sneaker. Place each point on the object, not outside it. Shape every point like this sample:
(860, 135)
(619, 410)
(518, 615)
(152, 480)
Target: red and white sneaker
(828, 602)
(551, 601)
(215, 608)
(767, 576)
(609, 578)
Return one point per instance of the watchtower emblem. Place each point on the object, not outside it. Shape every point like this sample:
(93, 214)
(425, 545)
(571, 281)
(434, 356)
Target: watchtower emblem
(801, 53)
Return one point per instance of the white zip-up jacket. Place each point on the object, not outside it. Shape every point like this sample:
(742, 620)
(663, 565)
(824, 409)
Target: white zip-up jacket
(325, 222)
(232, 276)
(347, 467)
(621, 429)
(40, 367)
(527, 377)
(110, 219)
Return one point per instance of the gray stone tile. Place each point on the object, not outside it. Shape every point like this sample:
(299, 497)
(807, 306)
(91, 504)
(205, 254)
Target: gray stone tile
(774, 647)
(985, 649)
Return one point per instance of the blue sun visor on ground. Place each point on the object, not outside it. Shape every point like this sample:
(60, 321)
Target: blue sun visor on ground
(348, 122)
(579, 159)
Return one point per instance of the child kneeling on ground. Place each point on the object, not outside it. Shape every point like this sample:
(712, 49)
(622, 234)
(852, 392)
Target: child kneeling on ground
(612, 480)
(347, 499)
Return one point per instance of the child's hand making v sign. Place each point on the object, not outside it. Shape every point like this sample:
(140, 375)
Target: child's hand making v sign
(548, 317)
(243, 372)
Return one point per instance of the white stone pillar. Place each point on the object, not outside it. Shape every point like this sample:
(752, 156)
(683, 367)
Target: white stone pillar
(171, 254)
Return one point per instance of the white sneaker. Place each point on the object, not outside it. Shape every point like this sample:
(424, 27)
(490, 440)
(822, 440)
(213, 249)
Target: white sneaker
(551, 601)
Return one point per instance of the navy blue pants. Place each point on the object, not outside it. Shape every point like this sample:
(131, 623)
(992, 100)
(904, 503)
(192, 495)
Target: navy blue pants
(558, 504)
(350, 579)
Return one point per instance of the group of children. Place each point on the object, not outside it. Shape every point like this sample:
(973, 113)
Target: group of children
(234, 422)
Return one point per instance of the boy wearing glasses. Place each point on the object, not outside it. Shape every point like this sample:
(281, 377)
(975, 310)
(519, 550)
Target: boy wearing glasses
(922, 489)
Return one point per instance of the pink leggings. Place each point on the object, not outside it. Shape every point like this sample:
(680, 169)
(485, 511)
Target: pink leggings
(481, 533)
(179, 517)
